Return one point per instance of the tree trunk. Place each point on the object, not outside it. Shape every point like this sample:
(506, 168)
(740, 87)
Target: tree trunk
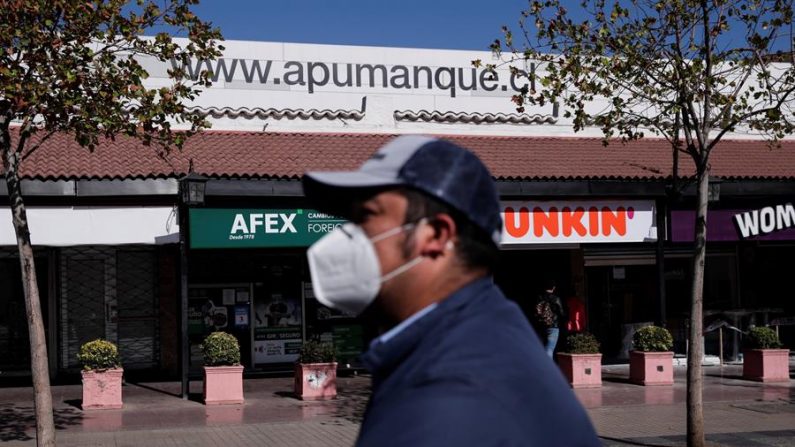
(695, 353)
(45, 427)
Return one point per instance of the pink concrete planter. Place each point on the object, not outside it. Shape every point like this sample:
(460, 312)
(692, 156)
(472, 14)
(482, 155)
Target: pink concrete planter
(102, 389)
(766, 365)
(581, 370)
(316, 381)
(223, 385)
(651, 368)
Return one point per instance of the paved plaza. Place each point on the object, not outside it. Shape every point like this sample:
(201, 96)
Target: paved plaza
(738, 413)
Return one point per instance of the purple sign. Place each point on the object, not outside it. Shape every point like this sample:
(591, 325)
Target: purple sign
(773, 223)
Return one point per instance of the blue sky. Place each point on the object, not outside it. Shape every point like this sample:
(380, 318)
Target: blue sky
(445, 24)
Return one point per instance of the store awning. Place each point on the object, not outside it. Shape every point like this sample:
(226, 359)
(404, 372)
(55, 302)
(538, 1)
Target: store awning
(70, 226)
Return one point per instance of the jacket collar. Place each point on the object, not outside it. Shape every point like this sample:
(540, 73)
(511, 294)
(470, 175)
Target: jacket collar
(382, 358)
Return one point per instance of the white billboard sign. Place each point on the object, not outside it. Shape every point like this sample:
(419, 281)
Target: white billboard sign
(286, 76)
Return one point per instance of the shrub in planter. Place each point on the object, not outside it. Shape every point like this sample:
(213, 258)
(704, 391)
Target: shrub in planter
(652, 339)
(316, 371)
(763, 360)
(223, 374)
(221, 349)
(102, 375)
(763, 338)
(98, 355)
(651, 361)
(582, 343)
(313, 351)
(582, 362)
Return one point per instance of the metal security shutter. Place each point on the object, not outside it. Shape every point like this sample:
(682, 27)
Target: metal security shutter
(136, 295)
(110, 293)
(85, 290)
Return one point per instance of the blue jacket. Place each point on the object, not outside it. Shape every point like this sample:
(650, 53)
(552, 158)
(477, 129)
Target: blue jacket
(470, 373)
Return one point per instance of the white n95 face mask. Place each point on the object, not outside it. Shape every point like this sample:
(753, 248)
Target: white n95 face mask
(346, 274)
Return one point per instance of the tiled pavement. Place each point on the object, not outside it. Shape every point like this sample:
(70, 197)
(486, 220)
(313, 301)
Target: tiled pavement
(738, 413)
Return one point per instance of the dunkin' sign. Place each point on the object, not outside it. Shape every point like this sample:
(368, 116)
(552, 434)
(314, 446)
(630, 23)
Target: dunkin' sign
(578, 222)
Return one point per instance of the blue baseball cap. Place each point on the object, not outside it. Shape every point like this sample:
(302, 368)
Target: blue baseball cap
(434, 166)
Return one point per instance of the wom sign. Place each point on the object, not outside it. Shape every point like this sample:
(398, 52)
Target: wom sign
(578, 222)
(765, 220)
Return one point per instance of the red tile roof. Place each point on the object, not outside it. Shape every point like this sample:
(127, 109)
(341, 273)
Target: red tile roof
(288, 155)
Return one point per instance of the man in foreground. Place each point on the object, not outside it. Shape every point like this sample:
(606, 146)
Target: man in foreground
(458, 364)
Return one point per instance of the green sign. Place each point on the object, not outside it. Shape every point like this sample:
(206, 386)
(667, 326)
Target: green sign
(248, 228)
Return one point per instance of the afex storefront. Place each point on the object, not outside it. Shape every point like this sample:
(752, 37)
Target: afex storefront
(249, 277)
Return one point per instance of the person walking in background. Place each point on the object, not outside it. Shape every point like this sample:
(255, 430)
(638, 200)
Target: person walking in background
(578, 319)
(550, 314)
(453, 367)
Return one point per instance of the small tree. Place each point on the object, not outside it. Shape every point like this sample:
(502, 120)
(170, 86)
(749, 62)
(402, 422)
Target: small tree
(689, 71)
(71, 66)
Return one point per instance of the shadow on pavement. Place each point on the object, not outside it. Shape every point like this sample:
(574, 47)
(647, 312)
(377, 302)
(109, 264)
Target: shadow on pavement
(15, 421)
(155, 389)
(721, 375)
(196, 397)
(628, 442)
(617, 379)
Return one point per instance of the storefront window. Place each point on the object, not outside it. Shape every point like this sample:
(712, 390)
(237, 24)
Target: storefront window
(14, 344)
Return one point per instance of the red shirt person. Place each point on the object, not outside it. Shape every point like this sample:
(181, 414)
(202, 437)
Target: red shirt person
(578, 320)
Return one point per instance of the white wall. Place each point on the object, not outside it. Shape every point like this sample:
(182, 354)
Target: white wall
(70, 226)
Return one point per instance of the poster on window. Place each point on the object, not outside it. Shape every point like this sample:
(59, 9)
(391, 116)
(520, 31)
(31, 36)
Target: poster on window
(277, 329)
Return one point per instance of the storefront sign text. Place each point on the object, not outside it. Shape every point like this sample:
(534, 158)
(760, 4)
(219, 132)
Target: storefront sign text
(246, 228)
(578, 222)
(316, 75)
(765, 220)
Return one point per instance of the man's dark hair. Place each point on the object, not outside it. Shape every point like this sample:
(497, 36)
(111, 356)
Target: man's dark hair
(475, 248)
(549, 284)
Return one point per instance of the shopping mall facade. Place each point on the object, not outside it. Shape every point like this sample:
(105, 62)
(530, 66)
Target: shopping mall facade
(605, 222)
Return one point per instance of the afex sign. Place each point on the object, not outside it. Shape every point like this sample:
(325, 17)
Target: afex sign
(247, 228)
(578, 222)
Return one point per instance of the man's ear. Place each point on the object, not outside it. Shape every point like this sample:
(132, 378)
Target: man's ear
(442, 236)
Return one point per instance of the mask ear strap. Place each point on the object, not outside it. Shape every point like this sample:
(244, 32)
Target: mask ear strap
(402, 268)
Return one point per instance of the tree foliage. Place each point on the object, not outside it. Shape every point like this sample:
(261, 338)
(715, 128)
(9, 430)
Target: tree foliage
(75, 66)
(689, 69)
